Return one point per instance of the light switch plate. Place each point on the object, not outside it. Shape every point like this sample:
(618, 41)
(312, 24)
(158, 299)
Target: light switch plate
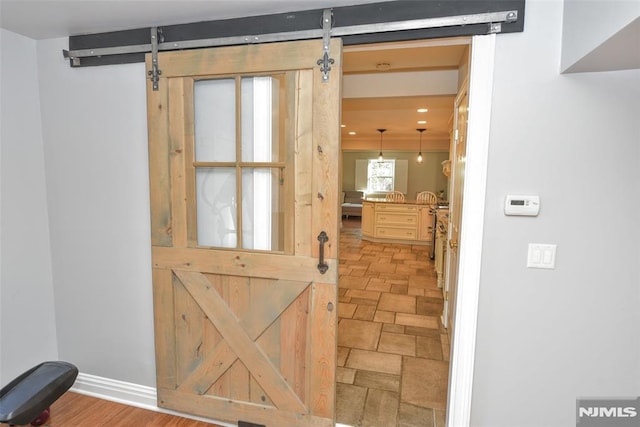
(541, 256)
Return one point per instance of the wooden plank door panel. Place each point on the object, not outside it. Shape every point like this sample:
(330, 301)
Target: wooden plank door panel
(247, 334)
(237, 342)
(246, 340)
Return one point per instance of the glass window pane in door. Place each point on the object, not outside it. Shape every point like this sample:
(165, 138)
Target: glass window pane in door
(216, 208)
(262, 215)
(215, 120)
(260, 119)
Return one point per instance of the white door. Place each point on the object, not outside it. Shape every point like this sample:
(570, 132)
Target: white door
(458, 156)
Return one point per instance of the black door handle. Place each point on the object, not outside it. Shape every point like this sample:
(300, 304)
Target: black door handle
(322, 266)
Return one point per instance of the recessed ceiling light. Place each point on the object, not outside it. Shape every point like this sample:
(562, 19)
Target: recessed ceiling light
(422, 122)
(422, 110)
(352, 133)
(343, 126)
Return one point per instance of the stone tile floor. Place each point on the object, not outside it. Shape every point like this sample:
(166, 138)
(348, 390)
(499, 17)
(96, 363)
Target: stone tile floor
(393, 353)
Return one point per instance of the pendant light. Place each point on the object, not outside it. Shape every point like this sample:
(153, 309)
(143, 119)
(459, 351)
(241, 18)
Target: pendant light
(419, 159)
(381, 132)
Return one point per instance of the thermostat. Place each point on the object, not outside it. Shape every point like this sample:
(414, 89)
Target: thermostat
(522, 205)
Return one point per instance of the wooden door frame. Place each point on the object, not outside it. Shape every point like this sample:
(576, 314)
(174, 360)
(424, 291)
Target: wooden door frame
(470, 247)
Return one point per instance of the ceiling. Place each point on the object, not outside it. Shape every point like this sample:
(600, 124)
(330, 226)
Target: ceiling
(399, 115)
(45, 19)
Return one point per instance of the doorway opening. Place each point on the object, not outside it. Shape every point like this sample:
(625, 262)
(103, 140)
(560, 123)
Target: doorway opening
(393, 348)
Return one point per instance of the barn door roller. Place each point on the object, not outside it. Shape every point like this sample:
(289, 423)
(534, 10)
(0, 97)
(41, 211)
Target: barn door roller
(325, 62)
(154, 72)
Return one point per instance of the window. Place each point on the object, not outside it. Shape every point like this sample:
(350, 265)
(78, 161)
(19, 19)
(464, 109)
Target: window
(380, 176)
(239, 162)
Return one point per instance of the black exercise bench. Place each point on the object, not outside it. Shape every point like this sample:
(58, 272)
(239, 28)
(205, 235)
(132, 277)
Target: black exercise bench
(27, 398)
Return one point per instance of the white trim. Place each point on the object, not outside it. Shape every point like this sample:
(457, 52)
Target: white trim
(136, 395)
(116, 391)
(470, 249)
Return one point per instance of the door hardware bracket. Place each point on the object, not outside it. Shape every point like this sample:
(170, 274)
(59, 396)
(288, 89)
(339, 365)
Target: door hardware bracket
(75, 61)
(494, 28)
(155, 72)
(325, 62)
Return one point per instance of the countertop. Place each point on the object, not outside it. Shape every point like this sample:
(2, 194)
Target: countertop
(405, 202)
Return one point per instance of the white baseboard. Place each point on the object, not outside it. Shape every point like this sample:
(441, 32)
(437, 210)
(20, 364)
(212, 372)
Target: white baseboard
(130, 394)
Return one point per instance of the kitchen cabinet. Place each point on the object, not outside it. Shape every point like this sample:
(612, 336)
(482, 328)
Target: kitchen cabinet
(367, 218)
(396, 222)
(426, 223)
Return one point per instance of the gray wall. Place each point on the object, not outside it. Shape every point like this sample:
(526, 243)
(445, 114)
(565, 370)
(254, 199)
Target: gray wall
(546, 337)
(95, 146)
(27, 316)
(422, 177)
(584, 28)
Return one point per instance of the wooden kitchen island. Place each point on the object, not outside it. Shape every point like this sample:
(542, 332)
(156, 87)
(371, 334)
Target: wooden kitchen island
(397, 222)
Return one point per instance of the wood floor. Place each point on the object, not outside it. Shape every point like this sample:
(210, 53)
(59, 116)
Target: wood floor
(77, 410)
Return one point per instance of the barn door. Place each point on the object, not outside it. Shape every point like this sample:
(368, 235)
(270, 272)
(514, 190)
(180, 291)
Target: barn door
(244, 157)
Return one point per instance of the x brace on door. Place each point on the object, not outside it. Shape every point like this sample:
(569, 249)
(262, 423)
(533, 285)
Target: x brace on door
(240, 340)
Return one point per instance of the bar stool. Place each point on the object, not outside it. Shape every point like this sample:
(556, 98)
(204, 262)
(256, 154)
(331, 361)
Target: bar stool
(394, 196)
(427, 198)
